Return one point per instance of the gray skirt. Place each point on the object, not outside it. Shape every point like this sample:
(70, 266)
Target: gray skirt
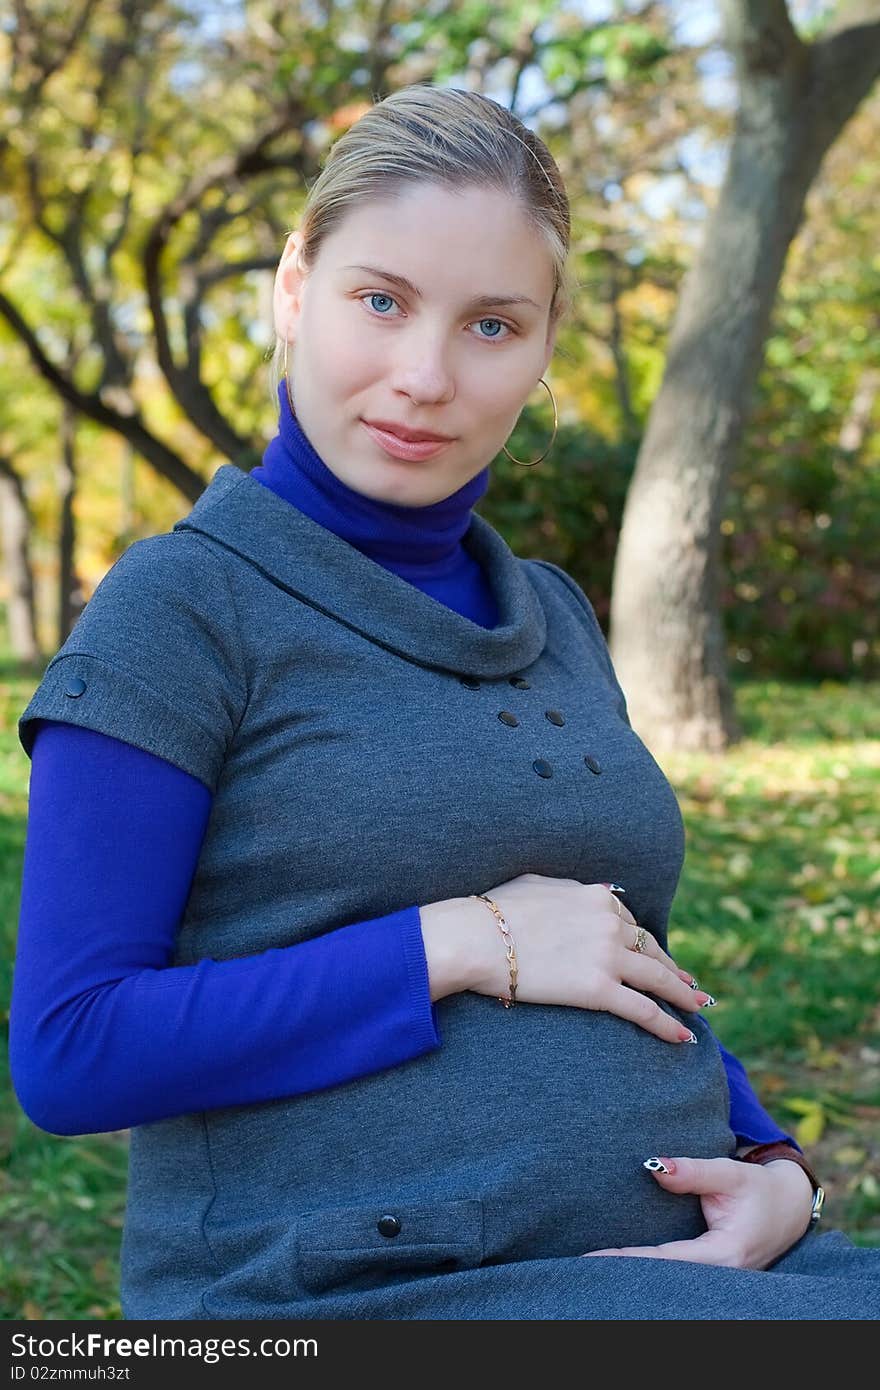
(824, 1276)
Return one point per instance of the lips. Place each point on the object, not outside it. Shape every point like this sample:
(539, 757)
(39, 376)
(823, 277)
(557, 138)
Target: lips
(416, 451)
(411, 436)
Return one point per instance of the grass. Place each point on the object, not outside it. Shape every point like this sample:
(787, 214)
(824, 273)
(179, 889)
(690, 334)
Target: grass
(777, 913)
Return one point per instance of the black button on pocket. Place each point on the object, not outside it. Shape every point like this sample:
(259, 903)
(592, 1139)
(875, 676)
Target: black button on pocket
(347, 1246)
(542, 768)
(74, 687)
(388, 1226)
(592, 764)
(470, 681)
(520, 683)
(554, 716)
(507, 718)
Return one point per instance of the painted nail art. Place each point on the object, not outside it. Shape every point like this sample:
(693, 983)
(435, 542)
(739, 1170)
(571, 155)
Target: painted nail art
(655, 1165)
(691, 1039)
(694, 983)
(708, 1002)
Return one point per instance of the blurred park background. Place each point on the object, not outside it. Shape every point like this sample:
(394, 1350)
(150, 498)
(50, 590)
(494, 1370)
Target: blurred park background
(723, 164)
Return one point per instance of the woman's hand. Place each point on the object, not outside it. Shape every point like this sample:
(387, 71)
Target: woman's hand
(754, 1213)
(573, 947)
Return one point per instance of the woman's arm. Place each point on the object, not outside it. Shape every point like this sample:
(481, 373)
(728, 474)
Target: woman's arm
(105, 1033)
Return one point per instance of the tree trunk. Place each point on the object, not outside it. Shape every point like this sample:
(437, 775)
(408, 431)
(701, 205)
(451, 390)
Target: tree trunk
(858, 417)
(15, 528)
(128, 498)
(70, 597)
(667, 638)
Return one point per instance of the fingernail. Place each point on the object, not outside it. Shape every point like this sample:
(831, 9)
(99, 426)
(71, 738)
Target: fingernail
(687, 1036)
(616, 888)
(694, 983)
(659, 1165)
(708, 1002)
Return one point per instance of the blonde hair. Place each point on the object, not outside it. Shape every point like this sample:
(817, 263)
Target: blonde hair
(446, 136)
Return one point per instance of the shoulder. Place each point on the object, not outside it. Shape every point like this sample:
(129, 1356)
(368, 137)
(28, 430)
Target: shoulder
(562, 583)
(154, 658)
(163, 590)
(172, 564)
(544, 571)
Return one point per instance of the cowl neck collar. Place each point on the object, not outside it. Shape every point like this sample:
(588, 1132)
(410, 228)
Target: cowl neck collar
(331, 575)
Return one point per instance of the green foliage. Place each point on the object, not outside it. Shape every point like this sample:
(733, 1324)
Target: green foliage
(801, 582)
(800, 591)
(566, 509)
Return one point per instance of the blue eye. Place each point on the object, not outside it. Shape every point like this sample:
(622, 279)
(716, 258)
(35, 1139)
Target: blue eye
(380, 294)
(377, 294)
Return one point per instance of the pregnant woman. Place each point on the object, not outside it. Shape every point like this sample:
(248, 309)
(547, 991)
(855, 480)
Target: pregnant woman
(347, 881)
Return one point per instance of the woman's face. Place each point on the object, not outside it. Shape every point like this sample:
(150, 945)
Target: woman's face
(363, 347)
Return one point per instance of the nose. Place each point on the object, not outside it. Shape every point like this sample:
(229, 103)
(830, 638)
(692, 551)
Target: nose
(423, 370)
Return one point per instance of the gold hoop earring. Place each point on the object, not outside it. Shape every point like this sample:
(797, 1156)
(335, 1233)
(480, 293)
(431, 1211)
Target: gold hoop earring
(552, 437)
(287, 381)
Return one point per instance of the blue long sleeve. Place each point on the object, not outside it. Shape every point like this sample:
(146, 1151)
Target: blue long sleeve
(748, 1119)
(105, 1033)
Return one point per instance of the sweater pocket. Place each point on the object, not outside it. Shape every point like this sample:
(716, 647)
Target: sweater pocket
(367, 1246)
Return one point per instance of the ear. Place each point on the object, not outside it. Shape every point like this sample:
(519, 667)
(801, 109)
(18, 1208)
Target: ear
(287, 291)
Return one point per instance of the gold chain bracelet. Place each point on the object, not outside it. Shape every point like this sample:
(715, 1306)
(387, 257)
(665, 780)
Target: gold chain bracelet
(508, 942)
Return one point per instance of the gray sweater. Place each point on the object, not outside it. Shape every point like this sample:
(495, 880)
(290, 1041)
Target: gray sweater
(314, 691)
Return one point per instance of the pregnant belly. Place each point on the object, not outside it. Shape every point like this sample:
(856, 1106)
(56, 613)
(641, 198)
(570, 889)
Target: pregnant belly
(541, 1116)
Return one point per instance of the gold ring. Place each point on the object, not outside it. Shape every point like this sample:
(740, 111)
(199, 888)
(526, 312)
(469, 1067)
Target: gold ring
(640, 942)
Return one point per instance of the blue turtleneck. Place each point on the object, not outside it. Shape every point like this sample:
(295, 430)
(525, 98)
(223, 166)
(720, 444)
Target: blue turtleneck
(94, 1031)
(421, 544)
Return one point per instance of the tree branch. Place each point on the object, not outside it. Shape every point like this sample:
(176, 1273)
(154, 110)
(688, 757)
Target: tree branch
(30, 46)
(125, 420)
(846, 64)
(184, 381)
(761, 37)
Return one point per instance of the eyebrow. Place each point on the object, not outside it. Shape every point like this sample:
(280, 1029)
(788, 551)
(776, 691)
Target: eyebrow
(479, 301)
